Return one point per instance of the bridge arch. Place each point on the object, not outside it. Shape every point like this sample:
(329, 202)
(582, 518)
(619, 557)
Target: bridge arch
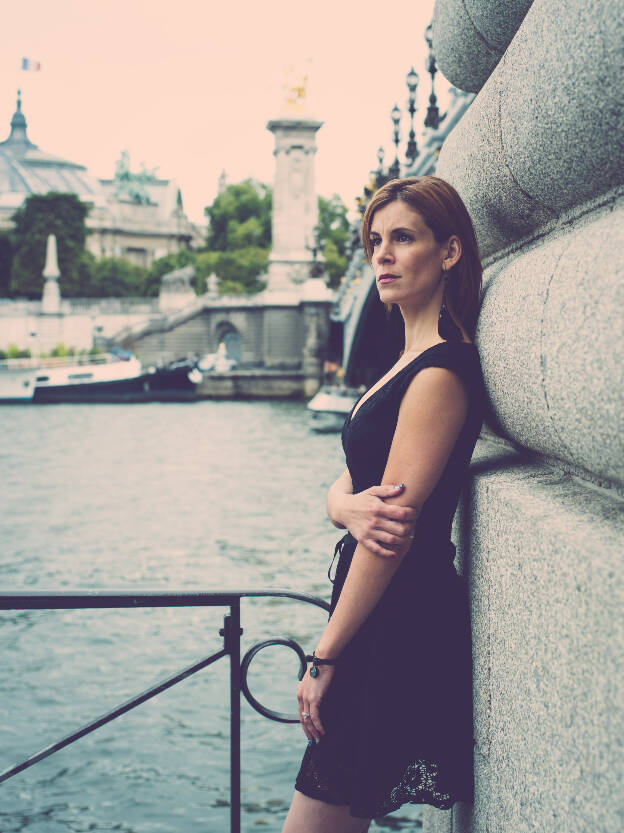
(373, 337)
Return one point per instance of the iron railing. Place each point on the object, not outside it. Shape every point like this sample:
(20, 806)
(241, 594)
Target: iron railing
(231, 633)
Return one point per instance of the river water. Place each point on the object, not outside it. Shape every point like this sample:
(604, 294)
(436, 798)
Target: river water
(207, 495)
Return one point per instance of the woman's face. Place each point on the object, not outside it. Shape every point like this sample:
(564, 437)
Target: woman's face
(406, 258)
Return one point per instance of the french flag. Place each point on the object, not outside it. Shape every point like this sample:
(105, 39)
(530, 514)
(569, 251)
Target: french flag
(30, 66)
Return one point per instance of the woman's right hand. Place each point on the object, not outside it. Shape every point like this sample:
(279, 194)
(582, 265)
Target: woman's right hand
(383, 528)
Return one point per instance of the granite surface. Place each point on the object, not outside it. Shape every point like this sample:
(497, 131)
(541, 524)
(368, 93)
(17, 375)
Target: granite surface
(469, 37)
(550, 339)
(541, 553)
(538, 159)
(546, 132)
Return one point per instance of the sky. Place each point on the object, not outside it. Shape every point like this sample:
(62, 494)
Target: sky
(188, 87)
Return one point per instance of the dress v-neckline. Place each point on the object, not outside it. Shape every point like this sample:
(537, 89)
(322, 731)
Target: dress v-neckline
(358, 407)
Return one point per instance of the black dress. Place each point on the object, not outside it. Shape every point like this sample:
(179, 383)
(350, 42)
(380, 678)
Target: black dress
(398, 713)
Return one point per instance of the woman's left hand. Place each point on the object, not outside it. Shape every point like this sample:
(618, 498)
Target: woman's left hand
(310, 693)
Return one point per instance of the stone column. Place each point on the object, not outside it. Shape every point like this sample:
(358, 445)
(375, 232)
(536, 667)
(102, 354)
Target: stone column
(294, 202)
(316, 303)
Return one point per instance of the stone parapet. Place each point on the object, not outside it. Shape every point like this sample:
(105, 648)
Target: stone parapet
(546, 132)
(470, 37)
(546, 594)
(549, 334)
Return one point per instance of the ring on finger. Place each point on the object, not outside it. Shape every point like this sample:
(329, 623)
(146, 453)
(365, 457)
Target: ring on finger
(305, 715)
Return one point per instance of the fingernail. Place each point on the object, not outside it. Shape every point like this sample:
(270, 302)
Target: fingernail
(309, 741)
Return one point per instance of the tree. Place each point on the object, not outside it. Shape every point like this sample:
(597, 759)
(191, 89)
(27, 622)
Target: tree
(117, 277)
(205, 263)
(241, 269)
(332, 236)
(239, 238)
(40, 215)
(230, 212)
(6, 258)
(334, 264)
(162, 266)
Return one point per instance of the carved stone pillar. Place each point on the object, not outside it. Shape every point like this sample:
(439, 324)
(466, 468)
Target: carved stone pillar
(294, 202)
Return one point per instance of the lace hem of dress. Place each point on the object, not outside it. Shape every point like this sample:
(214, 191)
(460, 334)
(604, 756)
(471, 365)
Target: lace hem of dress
(418, 785)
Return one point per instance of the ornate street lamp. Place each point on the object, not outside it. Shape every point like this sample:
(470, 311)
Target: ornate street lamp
(394, 171)
(313, 246)
(412, 83)
(433, 113)
(380, 177)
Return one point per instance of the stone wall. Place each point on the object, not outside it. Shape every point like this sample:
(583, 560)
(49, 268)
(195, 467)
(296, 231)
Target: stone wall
(270, 336)
(538, 160)
(81, 320)
(286, 339)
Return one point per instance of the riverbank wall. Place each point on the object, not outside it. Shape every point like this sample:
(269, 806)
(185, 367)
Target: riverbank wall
(253, 384)
(538, 160)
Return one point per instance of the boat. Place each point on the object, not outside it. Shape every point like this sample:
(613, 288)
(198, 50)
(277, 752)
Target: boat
(17, 380)
(330, 407)
(105, 377)
(175, 382)
(101, 378)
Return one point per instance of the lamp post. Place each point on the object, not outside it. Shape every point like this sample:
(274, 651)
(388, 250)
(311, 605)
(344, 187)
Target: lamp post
(394, 171)
(313, 245)
(412, 83)
(433, 113)
(380, 177)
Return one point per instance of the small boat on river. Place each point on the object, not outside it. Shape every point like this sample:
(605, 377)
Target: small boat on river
(330, 406)
(107, 377)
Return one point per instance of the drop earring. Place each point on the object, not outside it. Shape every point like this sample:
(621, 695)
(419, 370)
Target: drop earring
(447, 328)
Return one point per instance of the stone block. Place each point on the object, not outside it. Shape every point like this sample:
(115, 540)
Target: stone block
(546, 131)
(561, 108)
(462, 53)
(282, 337)
(473, 160)
(470, 36)
(542, 553)
(497, 21)
(509, 340)
(437, 821)
(583, 349)
(551, 349)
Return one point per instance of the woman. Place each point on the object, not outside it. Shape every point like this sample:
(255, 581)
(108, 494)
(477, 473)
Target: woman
(386, 702)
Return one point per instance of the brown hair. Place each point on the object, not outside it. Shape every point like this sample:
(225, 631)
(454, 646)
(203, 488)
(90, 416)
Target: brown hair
(445, 214)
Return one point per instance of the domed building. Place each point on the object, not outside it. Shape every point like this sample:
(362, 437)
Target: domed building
(134, 215)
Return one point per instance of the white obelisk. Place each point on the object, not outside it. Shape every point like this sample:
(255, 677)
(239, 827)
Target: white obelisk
(51, 300)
